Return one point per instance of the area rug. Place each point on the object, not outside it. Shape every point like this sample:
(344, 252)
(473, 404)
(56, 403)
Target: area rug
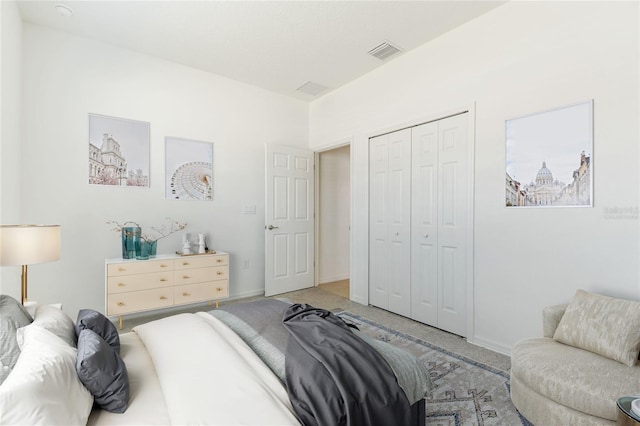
(466, 392)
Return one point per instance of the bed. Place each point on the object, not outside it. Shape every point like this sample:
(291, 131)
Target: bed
(227, 366)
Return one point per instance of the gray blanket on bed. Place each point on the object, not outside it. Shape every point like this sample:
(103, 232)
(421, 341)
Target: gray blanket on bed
(334, 377)
(259, 324)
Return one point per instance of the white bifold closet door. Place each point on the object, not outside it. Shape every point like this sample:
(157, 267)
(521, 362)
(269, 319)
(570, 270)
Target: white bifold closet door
(418, 222)
(439, 216)
(390, 222)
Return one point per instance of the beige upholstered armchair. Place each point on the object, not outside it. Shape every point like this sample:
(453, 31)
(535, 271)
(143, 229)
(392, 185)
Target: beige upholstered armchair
(587, 359)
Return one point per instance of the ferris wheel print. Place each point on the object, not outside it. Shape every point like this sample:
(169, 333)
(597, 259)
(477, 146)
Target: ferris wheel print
(192, 181)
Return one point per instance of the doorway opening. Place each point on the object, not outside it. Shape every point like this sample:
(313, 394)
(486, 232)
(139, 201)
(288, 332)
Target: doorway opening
(333, 212)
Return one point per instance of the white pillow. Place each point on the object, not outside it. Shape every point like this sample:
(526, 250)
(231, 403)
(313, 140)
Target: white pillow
(51, 318)
(32, 306)
(43, 387)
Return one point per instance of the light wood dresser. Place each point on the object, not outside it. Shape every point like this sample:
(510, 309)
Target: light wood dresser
(168, 280)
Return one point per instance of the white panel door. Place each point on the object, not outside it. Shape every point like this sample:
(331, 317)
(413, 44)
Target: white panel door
(453, 187)
(390, 222)
(378, 227)
(424, 223)
(289, 219)
(439, 220)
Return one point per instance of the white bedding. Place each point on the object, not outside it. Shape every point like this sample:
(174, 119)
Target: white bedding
(192, 369)
(146, 401)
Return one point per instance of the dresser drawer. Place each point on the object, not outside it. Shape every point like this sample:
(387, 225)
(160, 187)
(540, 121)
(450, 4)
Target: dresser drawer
(201, 261)
(122, 283)
(220, 273)
(134, 301)
(198, 275)
(221, 289)
(147, 266)
(191, 293)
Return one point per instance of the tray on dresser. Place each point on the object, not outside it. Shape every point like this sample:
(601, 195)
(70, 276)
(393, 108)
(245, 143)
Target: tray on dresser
(196, 254)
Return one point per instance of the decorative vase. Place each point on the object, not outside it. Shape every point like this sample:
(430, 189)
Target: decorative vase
(130, 241)
(143, 252)
(186, 244)
(201, 244)
(153, 246)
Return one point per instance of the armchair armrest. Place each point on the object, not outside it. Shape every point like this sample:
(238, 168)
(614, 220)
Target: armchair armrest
(551, 317)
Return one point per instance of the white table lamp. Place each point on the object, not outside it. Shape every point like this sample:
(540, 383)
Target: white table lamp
(27, 245)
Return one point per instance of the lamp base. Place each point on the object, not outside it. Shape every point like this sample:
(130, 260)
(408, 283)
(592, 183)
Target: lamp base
(23, 284)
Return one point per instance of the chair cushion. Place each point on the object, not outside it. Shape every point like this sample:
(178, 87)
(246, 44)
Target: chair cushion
(575, 378)
(604, 325)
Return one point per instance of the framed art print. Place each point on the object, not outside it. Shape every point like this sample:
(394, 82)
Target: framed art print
(549, 158)
(188, 169)
(118, 151)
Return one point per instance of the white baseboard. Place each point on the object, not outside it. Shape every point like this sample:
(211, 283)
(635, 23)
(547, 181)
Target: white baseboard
(332, 278)
(359, 299)
(491, 345)
(245, 294)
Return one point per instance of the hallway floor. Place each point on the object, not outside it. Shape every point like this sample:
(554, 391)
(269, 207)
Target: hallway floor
(341, 288)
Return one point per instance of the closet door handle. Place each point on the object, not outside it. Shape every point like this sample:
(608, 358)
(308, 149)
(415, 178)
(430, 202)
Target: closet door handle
(426, 235)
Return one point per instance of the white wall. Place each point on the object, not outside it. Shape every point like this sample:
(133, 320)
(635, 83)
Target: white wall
(521, 58)
(10, 101)
(334, 215)
(67, 77)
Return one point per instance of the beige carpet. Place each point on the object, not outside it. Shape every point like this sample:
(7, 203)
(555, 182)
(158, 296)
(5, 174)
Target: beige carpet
(341, 288)
(324, 299)
(465, 393)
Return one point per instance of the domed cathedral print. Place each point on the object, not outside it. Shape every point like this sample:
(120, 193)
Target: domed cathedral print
(549, 158)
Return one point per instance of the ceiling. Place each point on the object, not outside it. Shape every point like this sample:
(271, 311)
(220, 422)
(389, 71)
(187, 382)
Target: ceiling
(276, 45)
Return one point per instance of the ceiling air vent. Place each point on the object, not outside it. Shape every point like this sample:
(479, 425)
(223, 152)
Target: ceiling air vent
(311, 88)
(384, 50)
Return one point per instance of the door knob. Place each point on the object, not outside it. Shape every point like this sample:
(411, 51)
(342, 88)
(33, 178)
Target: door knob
(270, 227)
(426, 235)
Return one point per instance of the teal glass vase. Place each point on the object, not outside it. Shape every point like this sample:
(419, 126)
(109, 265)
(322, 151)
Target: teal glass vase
(153, 246)
(130, 241)
(143, 250)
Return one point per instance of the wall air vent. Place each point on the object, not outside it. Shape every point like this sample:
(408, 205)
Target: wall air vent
(311, 88)
(384, 50)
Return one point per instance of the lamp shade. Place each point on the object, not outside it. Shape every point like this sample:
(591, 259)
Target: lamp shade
(29, 244)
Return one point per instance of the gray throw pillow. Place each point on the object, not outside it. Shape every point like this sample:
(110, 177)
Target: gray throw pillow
(89, 319)
(12, 317)
(102, 372)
